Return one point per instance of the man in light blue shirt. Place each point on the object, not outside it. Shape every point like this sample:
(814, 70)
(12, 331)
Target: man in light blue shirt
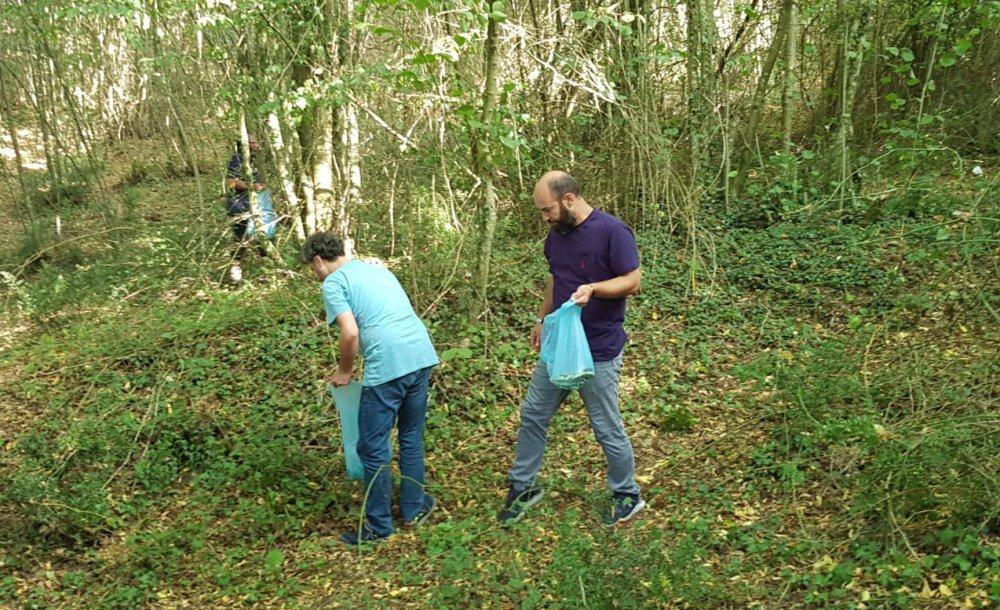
(375, 317)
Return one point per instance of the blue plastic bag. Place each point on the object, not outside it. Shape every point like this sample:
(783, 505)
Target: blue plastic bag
(348, 401)
(267, 215)
(565, 350)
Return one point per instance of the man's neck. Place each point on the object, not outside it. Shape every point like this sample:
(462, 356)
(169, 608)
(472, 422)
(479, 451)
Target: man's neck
(584, 212)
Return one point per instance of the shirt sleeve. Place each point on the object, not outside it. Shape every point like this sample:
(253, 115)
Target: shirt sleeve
(335, 297)
(624, 252)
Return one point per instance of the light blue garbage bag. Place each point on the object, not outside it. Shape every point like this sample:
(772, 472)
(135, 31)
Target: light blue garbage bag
(348, 401)
(565, 350)
(267, 215)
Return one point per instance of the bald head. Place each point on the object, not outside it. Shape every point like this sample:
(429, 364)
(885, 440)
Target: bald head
(558, 183)
(557, 197)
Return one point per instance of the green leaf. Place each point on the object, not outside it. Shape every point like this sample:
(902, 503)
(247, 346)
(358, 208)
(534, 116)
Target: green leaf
(511, 143)
(424, 58)
(943, 234)
(456, 353)
(893, 51)
(948, 60)
(808, 154)
(962, 46)
(274, 558)
(906, 55)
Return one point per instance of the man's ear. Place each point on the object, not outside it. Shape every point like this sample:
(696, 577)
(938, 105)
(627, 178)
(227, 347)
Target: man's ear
(316, 263)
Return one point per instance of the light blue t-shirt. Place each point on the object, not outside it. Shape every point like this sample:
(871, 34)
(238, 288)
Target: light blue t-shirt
(393, 340)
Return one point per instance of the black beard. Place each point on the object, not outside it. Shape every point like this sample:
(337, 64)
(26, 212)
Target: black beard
(566, 223)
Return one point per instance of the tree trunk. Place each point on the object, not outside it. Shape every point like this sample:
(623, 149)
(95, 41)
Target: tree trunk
(343, 52)
(748, 134)
(851, 57)
(701, 39)
(27, 211)
(284, 174)
(791, 64)
(484, 165)
(322, 168)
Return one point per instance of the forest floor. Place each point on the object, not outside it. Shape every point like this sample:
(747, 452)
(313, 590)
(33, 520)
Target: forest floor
(814, 424)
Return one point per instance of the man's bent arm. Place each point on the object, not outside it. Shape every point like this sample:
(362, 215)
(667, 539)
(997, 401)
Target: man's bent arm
(348, 341)
(614, 288)
(621, 286)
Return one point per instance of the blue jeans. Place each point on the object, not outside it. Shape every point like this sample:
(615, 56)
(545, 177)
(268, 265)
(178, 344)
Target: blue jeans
(402, 400)
(600, 397)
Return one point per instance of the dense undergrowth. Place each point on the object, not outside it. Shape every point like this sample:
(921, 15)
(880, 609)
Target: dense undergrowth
(815, 421)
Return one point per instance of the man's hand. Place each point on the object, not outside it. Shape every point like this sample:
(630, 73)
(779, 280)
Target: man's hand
(340, 378)
(258, 186)
(536, 336)
(583, 294)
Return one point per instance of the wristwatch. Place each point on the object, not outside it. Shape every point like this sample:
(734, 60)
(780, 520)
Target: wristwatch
(539, 321)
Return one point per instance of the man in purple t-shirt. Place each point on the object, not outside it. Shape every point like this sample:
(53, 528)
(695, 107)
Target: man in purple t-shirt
(593, 260)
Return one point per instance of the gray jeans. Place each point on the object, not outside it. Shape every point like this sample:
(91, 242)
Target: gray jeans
(600, 396)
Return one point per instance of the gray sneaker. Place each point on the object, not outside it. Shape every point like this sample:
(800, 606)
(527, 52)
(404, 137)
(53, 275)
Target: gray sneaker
(518, 501)
(623, 508)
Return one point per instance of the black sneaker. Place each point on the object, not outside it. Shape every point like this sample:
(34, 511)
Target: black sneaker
(424, 513)
(623, 508)
(366, 536)
(518, 501)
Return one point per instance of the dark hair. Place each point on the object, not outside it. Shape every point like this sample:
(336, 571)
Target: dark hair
(563, 183)
(323, 244)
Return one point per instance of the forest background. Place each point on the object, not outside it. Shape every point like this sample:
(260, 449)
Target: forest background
(812, 380)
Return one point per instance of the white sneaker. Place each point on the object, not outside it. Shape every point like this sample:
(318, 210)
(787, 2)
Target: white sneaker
(235, 274)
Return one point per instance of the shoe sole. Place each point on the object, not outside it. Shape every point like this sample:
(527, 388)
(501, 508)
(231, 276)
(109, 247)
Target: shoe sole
(638, 508)
(527, 504)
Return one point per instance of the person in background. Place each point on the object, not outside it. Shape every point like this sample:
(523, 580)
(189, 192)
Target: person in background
(376, 319)
(238, 187)
(593, 259)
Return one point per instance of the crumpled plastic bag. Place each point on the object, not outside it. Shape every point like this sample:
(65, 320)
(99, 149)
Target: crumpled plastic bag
(565, 350)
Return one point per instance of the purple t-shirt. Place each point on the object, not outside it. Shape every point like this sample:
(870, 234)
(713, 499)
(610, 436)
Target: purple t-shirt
(600, 248)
